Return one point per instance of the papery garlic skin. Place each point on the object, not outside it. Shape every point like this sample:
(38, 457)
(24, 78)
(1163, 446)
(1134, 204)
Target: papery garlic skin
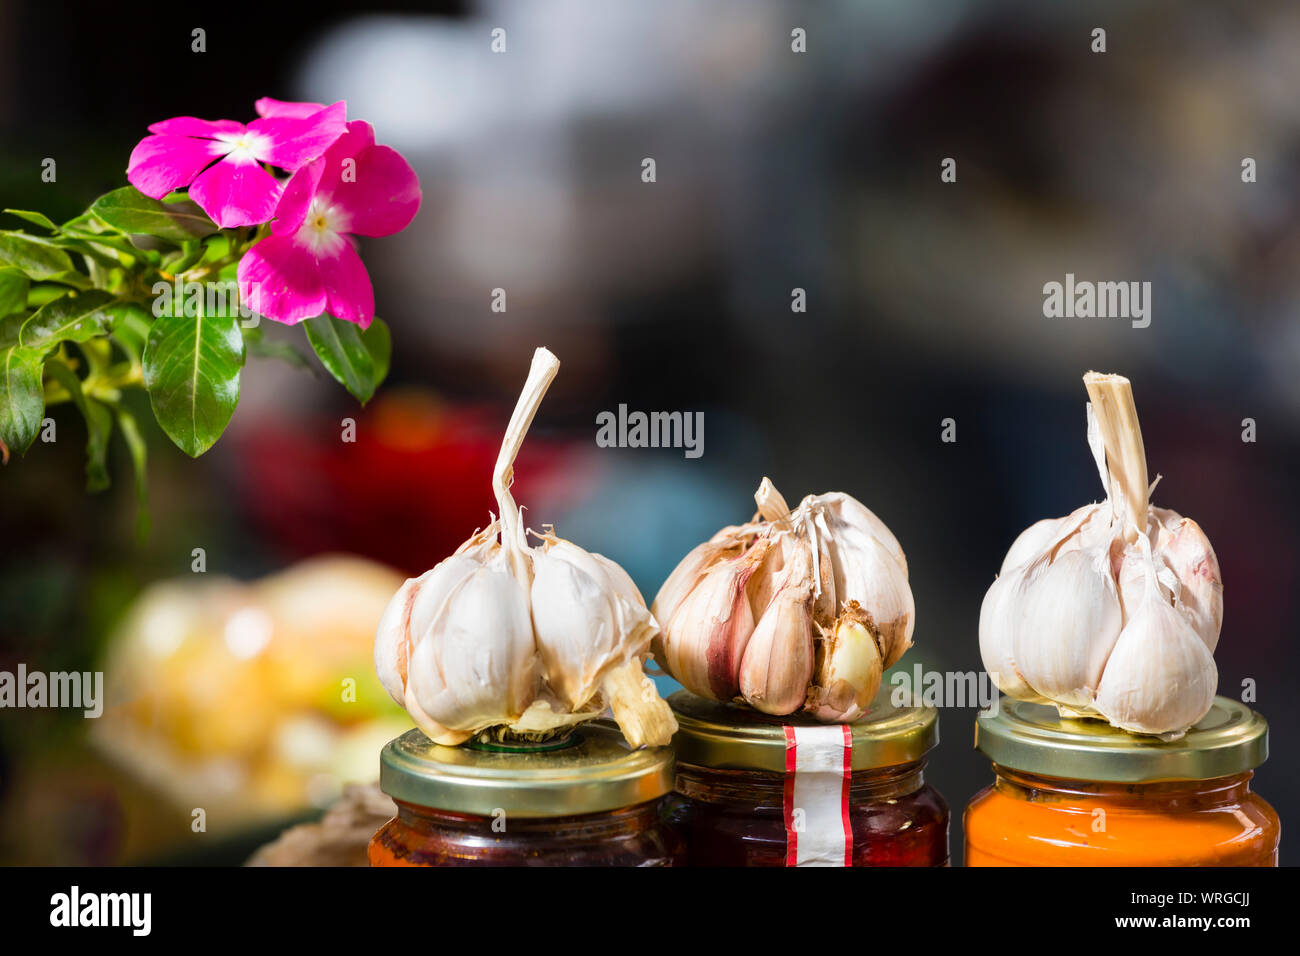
(530, 639)
(798, 612)
(1093, 612)
(1070, 620)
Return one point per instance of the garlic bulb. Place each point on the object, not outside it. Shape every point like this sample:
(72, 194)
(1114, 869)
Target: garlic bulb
(532, 639)
(1113, 611)
(802, 610)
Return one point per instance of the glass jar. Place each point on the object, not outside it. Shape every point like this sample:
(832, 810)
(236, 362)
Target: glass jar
(589, 800)
(1077, 792)
(741, 780)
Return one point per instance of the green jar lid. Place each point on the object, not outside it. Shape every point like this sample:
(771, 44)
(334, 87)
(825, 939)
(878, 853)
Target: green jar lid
(595, 772)
(735, 737)
(1034, 738)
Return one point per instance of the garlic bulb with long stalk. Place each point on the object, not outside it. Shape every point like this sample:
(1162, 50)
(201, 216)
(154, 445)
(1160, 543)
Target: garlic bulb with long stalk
(799, 610)
(1113, 611)
(530, 639)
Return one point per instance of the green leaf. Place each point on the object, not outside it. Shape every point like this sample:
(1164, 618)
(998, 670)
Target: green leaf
(358, 360)
(186, 257)
(380, 344)
(107, 248)
(216, 247)
(22, 399)
(284, 352)
(71, 318)
(99, 425)
(71, 278)
(136, 446)
(84, 225)
(35, 218)
(14, 285)
(191, 369)
(35, 258)
(132, 212)
(129, 326)
(93, 249)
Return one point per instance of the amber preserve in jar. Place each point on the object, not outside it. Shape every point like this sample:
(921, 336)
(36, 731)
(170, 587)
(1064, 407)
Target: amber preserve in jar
(587, 800)
(1081, 793)
(754, 790)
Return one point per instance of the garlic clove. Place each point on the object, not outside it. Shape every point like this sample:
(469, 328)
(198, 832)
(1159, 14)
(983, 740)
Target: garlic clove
(769, 557)
(778, 658)
(1070, 621)
(1032, 542)
(578, 626)
(410, 613)
(392, 640)
(997, 629)
(1002, 612)
(1187, 551)
(866, 572)
(709, 631)
(1161, 678)
(847, 671)
(1131, 576)
(688, 573)
(464, 681)
(1051, 534)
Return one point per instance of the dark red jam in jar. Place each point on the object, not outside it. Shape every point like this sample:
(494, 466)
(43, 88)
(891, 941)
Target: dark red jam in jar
(589, 801)
(755, 790)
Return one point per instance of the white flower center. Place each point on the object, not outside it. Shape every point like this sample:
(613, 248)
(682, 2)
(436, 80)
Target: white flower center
(322, 231)
(244, 146)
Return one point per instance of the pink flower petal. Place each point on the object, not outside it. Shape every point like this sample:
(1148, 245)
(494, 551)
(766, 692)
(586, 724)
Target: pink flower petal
(267, 106)
(292, 142)
(191, 126)
(236, 192)
(347, 286)
(296, 199)
(160, 164)
(380, 193)
(282, 280)
(359, 136)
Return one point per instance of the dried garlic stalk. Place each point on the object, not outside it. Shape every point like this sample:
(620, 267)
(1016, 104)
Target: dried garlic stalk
(530, 639)
(1112, 611)
(802, 610)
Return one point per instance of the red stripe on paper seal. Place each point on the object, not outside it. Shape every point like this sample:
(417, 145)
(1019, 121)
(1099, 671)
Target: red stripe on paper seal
(818, 764)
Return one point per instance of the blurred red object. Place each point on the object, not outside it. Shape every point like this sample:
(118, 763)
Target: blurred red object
(408, 491)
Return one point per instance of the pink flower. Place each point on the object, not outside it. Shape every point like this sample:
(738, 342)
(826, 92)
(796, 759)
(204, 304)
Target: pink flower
(309, 264)
(269, 107)
(221, 160)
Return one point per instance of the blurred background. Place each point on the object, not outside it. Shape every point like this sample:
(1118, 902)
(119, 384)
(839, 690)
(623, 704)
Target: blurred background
(775, 171)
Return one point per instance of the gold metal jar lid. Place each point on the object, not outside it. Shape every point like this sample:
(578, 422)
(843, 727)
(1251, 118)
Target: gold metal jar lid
(734, 737)
(596, 772)
(1034, 738)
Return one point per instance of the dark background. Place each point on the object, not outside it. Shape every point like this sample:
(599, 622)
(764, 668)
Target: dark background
(775, 171)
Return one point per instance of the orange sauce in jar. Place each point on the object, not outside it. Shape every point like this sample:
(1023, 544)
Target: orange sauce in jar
(1080, 793)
